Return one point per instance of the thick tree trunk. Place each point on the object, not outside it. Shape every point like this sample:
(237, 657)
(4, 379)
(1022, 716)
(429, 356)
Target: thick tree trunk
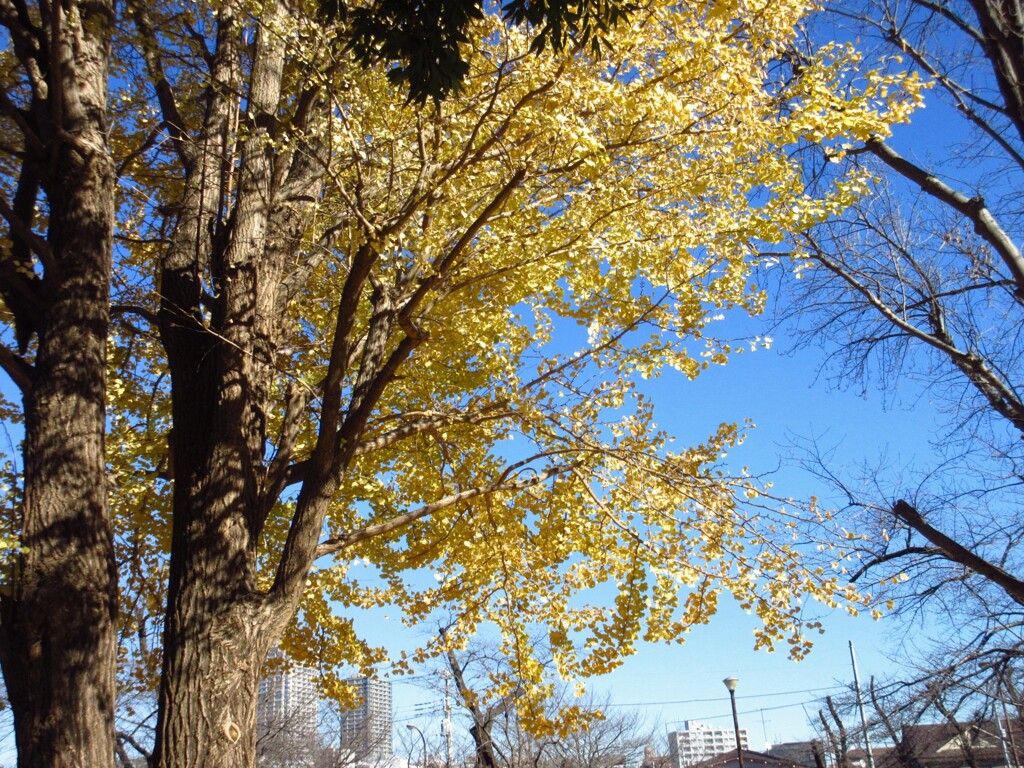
(57, 619)
(214, 643)
(213, 640)
(218, 630)
(58, 638)
(209, 685)
(57, 643)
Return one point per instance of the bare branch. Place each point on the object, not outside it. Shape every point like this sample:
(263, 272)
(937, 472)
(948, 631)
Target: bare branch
(997, 392)
(20, 228)
(962, 96)
(973, 209)
(164, 92)
(958, 553)
(16, 367)
(148, 315)
(889, 556)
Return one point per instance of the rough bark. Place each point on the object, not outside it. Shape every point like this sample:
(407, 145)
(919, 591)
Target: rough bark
(210, 664)
(57, 633)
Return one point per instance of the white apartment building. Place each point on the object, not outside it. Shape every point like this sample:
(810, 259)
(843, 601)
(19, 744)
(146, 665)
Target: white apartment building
(286, 716)
(699, 741)
(366, 731)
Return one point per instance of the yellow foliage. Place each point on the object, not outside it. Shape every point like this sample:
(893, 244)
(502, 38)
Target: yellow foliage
(562, 230)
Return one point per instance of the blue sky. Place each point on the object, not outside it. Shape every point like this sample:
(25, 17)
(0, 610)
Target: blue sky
(670, 684)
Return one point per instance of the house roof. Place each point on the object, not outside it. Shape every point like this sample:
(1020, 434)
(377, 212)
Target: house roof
(751, 759)
(948, 745)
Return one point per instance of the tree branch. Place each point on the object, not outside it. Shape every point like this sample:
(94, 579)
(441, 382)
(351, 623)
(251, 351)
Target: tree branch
(442, 266)
(164, 93)
(905, 552)
(116, 310)
(958, 553)
(335, 545)
(999, 395)
(20, 228)
(960, 94)
(16, 367)
(415, 426)
(127, 738)
(278, 472)
(973, 209)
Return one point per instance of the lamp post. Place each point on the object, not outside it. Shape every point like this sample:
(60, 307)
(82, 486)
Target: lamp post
(730, 683)
(423, 739)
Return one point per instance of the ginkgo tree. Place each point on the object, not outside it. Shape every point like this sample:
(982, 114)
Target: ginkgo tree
(348, 331)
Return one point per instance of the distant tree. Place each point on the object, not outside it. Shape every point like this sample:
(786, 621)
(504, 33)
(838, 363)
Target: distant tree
(598, 735)
(834, 729)
(483, 713)
(617, 738)
(967, 703)
(331, 748)
(288, 722)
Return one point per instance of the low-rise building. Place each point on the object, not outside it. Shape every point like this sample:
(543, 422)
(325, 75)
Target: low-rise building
(751, 759)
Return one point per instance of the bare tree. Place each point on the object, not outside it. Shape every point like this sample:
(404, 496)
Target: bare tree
(918, 291)
(594, 735)
(834, 728)
(332, 750)
(924, 710)
(618, 738)
(482, 714)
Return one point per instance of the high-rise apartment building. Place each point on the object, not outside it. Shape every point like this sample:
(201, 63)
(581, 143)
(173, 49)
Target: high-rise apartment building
(366, 730)
(286, 716)
(699, 741)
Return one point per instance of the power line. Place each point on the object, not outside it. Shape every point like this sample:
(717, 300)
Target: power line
(718, 699)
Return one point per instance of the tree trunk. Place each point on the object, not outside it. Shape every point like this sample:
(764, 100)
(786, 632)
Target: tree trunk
(209, 686)
(58, 638)
(57, 618)
(219, 627)
(214, 642)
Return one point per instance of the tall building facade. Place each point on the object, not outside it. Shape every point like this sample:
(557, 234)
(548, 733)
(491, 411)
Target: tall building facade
(366, 730)
(699, 741)
(286, 717)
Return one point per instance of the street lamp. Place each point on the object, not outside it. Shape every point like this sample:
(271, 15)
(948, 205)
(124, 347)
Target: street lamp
(730, 683)
(423, 739)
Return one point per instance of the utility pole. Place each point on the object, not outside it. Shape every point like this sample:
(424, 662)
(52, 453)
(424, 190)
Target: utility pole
(860, 706)
(447, 725)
